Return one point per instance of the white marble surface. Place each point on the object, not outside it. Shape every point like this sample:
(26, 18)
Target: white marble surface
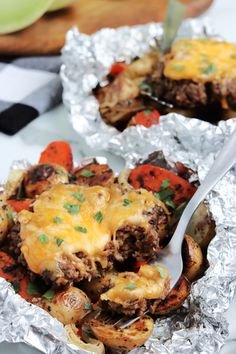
(54, 125)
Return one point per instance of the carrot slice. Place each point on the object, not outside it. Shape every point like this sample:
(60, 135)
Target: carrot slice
(58, 152)
(18, 205)
(146, 118)
(117, 68)
(13, 273)
(168, 185)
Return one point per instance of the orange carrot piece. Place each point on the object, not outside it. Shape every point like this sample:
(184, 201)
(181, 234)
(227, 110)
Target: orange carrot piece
(18, 205)
(146, 118)
(117, 68)
(152, 178)
(8, 271)
(58, 152)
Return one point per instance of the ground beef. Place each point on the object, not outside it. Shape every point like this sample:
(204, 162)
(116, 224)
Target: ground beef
(12, 242)
(128, 308)
(231, 94)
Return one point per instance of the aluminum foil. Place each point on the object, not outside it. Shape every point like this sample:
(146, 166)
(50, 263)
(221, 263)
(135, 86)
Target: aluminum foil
(88, 59)
(199, 326)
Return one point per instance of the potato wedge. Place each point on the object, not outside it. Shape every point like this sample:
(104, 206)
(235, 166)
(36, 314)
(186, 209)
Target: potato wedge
(94, 174)
(5, 221)
(175, 298)
(192, 259)
(94, 346)
(201, 227)
(14, 182)
(123, 339)
(41, 176)
(67, 306)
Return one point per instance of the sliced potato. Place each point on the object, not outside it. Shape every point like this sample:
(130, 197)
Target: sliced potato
(41, 176)
(124, 339)
(67, 306)
(94, 174)
(201, 227)
(94, 346)
(175, 298)
(14, 182)
(192, 259)
(5, 221)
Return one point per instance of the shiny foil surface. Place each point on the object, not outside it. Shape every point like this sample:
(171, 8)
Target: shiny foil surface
(199, 326)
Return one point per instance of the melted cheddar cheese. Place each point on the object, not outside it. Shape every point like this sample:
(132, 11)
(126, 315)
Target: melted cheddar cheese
(201, 60)
(68, 219)
(151, 282)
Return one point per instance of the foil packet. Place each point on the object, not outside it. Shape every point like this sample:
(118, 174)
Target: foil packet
(199, 325)
(88, 59)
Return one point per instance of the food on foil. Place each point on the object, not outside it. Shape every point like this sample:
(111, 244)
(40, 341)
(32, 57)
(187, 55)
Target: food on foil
(196, 77)
(78, 243)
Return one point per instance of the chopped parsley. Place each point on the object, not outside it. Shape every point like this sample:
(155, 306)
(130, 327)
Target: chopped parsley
(161, 272)
(43, 238)
(98, 217)
(178, 67)
(209, 69)
(16, 285)
(49, 294)
(57, 220)
(130, 286)
(59, 241)
(127, 202)
(88, 306)
(87, 173)
(79, 196)
(165, 183)
(33, 289)
(9, 214)
(179, 211)
(163, 194)
(147, 112)
(72, 208)
(170, 203)
(144, 86)
(81, 229)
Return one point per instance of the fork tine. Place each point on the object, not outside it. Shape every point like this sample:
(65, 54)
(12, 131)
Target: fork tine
(128, 322)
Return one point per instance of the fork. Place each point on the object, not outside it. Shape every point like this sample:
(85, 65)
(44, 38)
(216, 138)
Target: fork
(171, 256)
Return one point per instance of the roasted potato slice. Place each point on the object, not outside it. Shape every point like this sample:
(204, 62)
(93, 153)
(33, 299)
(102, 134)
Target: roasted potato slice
(41, 176)
(93, 345)
(123, 339)
(14, 182)
(175, 298)
(5, 219)
(192, 259)
(67, 306)
(201, 227)
(94, 174)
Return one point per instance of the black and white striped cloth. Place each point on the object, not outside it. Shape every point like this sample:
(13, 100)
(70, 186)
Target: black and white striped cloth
(28, 87)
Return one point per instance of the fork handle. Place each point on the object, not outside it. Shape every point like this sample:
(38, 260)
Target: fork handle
(223, 162)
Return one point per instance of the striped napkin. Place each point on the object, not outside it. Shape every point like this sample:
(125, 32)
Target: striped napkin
(28, 87)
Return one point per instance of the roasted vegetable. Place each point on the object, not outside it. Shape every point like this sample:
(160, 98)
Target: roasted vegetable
(15, 274)
(123, 339)
(170, 188)
(59, 153)
(67, 306)
(192, 259)
(117, 68)
(5, 219)
(146, 118)
(92, 345)
(94, 174)
(18, 205)
(174, 299)
(40, 177)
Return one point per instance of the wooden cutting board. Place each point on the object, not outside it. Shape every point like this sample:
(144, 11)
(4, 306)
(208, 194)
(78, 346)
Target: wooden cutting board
(47, 35)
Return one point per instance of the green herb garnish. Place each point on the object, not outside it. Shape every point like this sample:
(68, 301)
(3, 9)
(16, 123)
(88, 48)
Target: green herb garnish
(88, 306)
(81, 229)
(163, 194)
(49, 294)
(98, 217)
(59, 241)
(57, 220)
(79, 196)
(130, 286)
(170, 203)
(16, 285)
(144, 86)
(166, 183)
(127, 202)
(9, 214)
(43, 238)
(87, 173)
(147, 112)
(33, 289)
(209, 69)
(178, 67)
(72, 208)
(161, 271)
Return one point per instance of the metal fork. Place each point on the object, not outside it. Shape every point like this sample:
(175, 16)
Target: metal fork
(170, 256)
